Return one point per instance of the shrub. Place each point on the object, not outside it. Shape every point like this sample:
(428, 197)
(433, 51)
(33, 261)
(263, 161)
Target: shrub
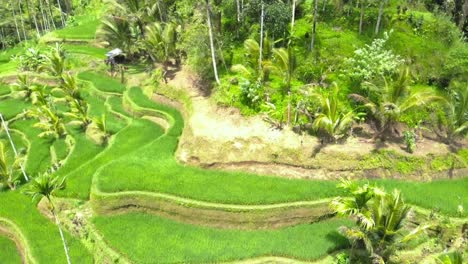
(372, 61)
(410, 141)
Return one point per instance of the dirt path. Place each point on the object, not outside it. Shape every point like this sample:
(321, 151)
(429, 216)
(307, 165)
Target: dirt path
(220, 137)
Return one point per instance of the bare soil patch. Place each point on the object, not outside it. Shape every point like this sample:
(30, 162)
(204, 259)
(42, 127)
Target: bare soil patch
(221, 138)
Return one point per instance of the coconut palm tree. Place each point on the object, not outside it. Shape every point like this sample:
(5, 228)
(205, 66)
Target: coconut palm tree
(117, 32)
(389, 102)
(160, 41)
(331, 119)
(251, 68)
(10, 171)
(45, 186)
(380, 219)
(212, 47)
(456, 108)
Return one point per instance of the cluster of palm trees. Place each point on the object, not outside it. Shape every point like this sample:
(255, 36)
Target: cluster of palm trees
(27, 19)
(141, 29)
(381, 221)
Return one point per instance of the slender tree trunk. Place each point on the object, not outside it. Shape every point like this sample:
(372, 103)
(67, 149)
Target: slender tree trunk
(238, 11)
(51, 14)
(210, 32)
(64, 242)
(293, 16)
(22, 20)
(16, 22)
(314, 26)
(45, 22)
(361, 17)
(32, 17)
(379, 18)
(260, 56)
(61, 13)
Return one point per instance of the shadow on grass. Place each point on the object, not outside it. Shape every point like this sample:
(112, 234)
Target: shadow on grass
(340, 241)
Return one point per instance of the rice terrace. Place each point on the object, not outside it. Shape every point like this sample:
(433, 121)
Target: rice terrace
(236, 131)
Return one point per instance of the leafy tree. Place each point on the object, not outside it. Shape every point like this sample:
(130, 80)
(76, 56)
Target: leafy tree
(117, 32)
(373, 61)
(380, 219)
(45, 186)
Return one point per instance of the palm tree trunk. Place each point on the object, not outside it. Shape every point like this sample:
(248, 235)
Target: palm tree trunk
(260, 57)
(210, 32)
(51, 14)
(379, 18)
(22, 20)
(361, 17)
(61, 13)
(314, 26)
(16, 23)
(32, 17)
(64, 242)
(45, 22)
(238, 11)
(293, 16)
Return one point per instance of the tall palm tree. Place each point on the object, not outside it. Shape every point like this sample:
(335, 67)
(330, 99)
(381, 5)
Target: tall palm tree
(388, 103)
(45, 186)
(212, 47)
